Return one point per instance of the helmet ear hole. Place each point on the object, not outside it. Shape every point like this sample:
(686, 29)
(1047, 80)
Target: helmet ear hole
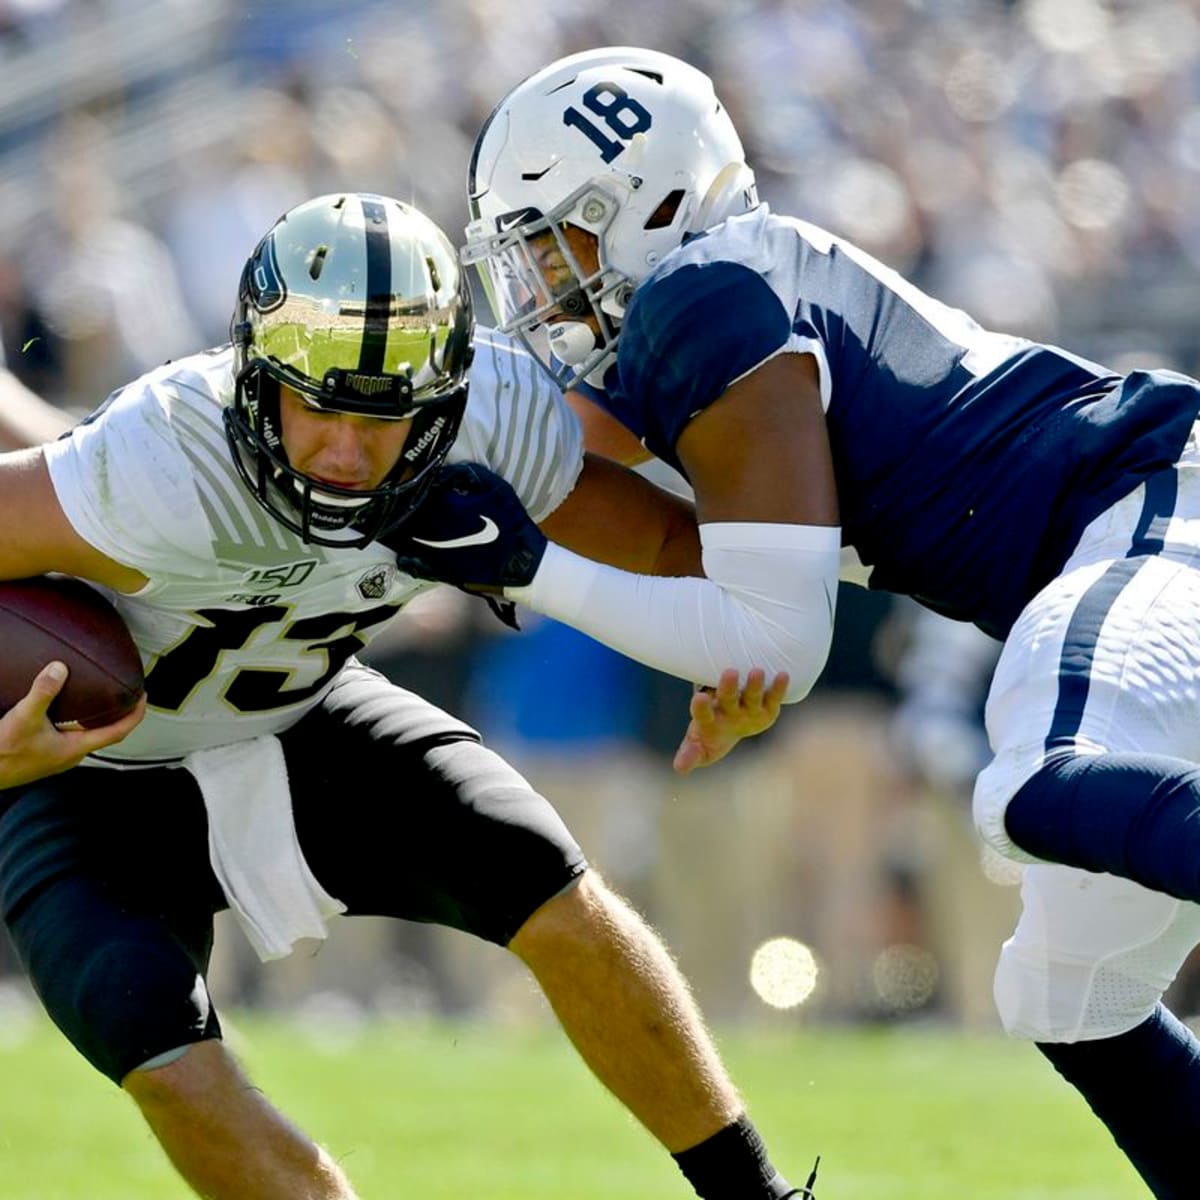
(666, 212)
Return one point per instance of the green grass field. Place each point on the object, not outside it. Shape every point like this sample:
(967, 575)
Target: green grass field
(448, 1112)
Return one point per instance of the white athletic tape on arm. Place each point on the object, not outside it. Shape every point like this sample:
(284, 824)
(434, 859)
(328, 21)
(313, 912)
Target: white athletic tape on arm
(768, 601)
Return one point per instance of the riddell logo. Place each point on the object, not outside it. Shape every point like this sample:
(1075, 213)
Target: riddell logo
(424, 441)
(369, 385)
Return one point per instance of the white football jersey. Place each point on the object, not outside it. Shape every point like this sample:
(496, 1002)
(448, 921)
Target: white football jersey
(242, 626)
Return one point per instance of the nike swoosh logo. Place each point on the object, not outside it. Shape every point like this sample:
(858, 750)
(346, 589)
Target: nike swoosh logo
(488, 533)
(518, 216)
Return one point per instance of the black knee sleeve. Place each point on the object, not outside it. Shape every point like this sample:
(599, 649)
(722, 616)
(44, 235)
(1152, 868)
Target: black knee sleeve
(120, 987)
(130, 1002)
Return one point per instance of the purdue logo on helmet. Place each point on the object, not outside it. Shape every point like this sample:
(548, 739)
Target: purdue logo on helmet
(261, 282)
(356, 302)
(368, 385)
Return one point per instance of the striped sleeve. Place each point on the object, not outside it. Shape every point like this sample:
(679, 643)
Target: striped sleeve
(128, 489)
(518, 424)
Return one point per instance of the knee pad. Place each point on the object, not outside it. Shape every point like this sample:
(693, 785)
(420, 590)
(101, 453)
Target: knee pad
(1043, 1001)
(1035, 1002)
(1091, 955)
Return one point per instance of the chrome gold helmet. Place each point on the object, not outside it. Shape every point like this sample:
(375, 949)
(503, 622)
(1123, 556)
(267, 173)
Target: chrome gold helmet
(358, 303)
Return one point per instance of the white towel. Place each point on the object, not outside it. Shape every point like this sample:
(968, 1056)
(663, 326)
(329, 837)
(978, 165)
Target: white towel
(253, 847)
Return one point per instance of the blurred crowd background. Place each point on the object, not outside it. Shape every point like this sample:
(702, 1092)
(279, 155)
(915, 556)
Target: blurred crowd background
(1036, 162)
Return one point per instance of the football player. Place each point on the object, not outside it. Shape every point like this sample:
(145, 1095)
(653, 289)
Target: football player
(233, 504)
(836, 422)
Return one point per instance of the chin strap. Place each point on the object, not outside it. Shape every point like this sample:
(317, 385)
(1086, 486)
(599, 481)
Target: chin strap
(571, 341)
(812, 1178)
(806, 1192)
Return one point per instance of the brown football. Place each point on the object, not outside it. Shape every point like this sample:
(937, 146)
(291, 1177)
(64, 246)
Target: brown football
(56, 617)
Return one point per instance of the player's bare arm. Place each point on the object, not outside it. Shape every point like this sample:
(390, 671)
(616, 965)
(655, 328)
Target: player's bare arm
(761, 452)
(36, 536)
(615, 516)
(25, 418)
(603, 434)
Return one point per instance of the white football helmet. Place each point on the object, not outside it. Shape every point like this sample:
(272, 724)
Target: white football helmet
(629, 145)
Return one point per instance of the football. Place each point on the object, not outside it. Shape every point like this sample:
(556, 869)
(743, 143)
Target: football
(56, 617)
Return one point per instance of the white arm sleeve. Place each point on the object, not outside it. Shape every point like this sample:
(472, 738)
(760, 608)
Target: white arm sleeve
(767, 601)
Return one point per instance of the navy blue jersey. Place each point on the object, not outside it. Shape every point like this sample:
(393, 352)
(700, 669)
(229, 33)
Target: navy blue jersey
(967, 462)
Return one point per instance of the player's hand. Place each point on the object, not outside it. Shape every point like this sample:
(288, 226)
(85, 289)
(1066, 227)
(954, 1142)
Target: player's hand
(31, 747)
(723, 715)
(471, 531)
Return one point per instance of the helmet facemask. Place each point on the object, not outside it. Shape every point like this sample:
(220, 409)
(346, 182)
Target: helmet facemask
(396, 347)
(514, 261)
(320, 512)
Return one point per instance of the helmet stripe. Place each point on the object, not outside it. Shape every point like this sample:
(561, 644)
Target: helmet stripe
(379, 288)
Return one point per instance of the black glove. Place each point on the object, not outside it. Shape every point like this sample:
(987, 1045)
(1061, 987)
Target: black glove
(472, 531)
